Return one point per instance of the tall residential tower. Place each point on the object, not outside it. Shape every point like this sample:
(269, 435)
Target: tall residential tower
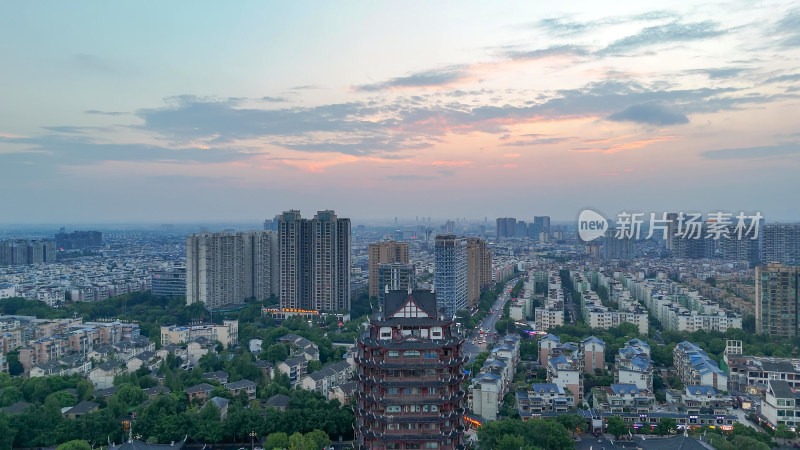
(314, 261)
(450, 273)
(225, 269)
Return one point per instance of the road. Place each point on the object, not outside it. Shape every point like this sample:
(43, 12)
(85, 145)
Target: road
(488, 323)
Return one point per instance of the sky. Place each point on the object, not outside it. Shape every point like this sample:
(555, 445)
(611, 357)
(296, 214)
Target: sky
(213, 111)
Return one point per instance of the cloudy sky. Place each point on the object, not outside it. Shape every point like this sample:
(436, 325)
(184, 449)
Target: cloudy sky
(175, 111)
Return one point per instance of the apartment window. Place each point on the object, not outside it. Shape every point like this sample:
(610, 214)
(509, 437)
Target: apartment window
(392, 426)
(393, 354)
(392, 446)
(392, 409)
(412, 445)
(392, 391)
(411, 354)
(432, 390)
(431, 445)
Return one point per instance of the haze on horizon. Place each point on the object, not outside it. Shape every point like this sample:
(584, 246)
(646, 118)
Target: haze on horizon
(159, 112)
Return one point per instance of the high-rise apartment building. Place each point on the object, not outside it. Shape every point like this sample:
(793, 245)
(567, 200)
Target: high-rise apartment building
(79, 239)
(749, 248)
(314, 261)
(384, 252)
(479, 269)
(617, 248)
(542, 222)
(521, 229)
(450, 273)
(777, 295)
(168, 283)
(781, 243)
(395, 276)
(225, 269)
(22, 251)
(672, 228)
(409, 374)
(506, 227)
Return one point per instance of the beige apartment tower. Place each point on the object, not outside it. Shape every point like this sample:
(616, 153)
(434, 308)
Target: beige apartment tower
(384, 252)
(225, 269)
(479, 269)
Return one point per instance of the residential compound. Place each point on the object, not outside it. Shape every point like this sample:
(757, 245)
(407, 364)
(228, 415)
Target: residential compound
(64, 346)
(694, 367)
(677, 308)
(226, 269)
(777, 297)
(596, 315)
(314, 261)
(495, 379)
(552, 313)
(566, 363)
(409, 370)
(23, 251)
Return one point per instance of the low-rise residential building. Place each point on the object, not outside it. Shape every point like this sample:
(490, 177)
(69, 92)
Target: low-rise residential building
(543, 397)
(226, 334)
(199, 392)
(633, 365)
(295, 368)
(328, 377)
(103, 375)
(699, 400)
(781, 404)
(246, 386)
(619, 398)
(694, 367)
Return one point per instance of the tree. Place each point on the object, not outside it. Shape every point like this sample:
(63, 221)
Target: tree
(749, 443)
(75, 445)
(783, 432)
(277, 440)
(616, 426)
(666, 426)
(313, 366)
(572, 422)
(509, 442)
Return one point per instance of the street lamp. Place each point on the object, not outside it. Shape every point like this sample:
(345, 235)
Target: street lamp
(252, 438)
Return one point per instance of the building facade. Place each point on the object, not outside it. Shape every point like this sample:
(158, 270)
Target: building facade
(777, 294)
(450, 273)
(169, 283)
(380, 253)
(781, 243)
(479, 269)
(226, 269)
(409, 374)
(395, 276)
(314, 261)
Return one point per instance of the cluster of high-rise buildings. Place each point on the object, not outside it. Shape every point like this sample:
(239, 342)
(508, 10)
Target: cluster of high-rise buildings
(306, 263)
(78, 239)
(24, 251)
(510, 227)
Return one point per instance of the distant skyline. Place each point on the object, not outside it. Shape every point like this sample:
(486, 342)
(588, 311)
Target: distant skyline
(212, 112)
